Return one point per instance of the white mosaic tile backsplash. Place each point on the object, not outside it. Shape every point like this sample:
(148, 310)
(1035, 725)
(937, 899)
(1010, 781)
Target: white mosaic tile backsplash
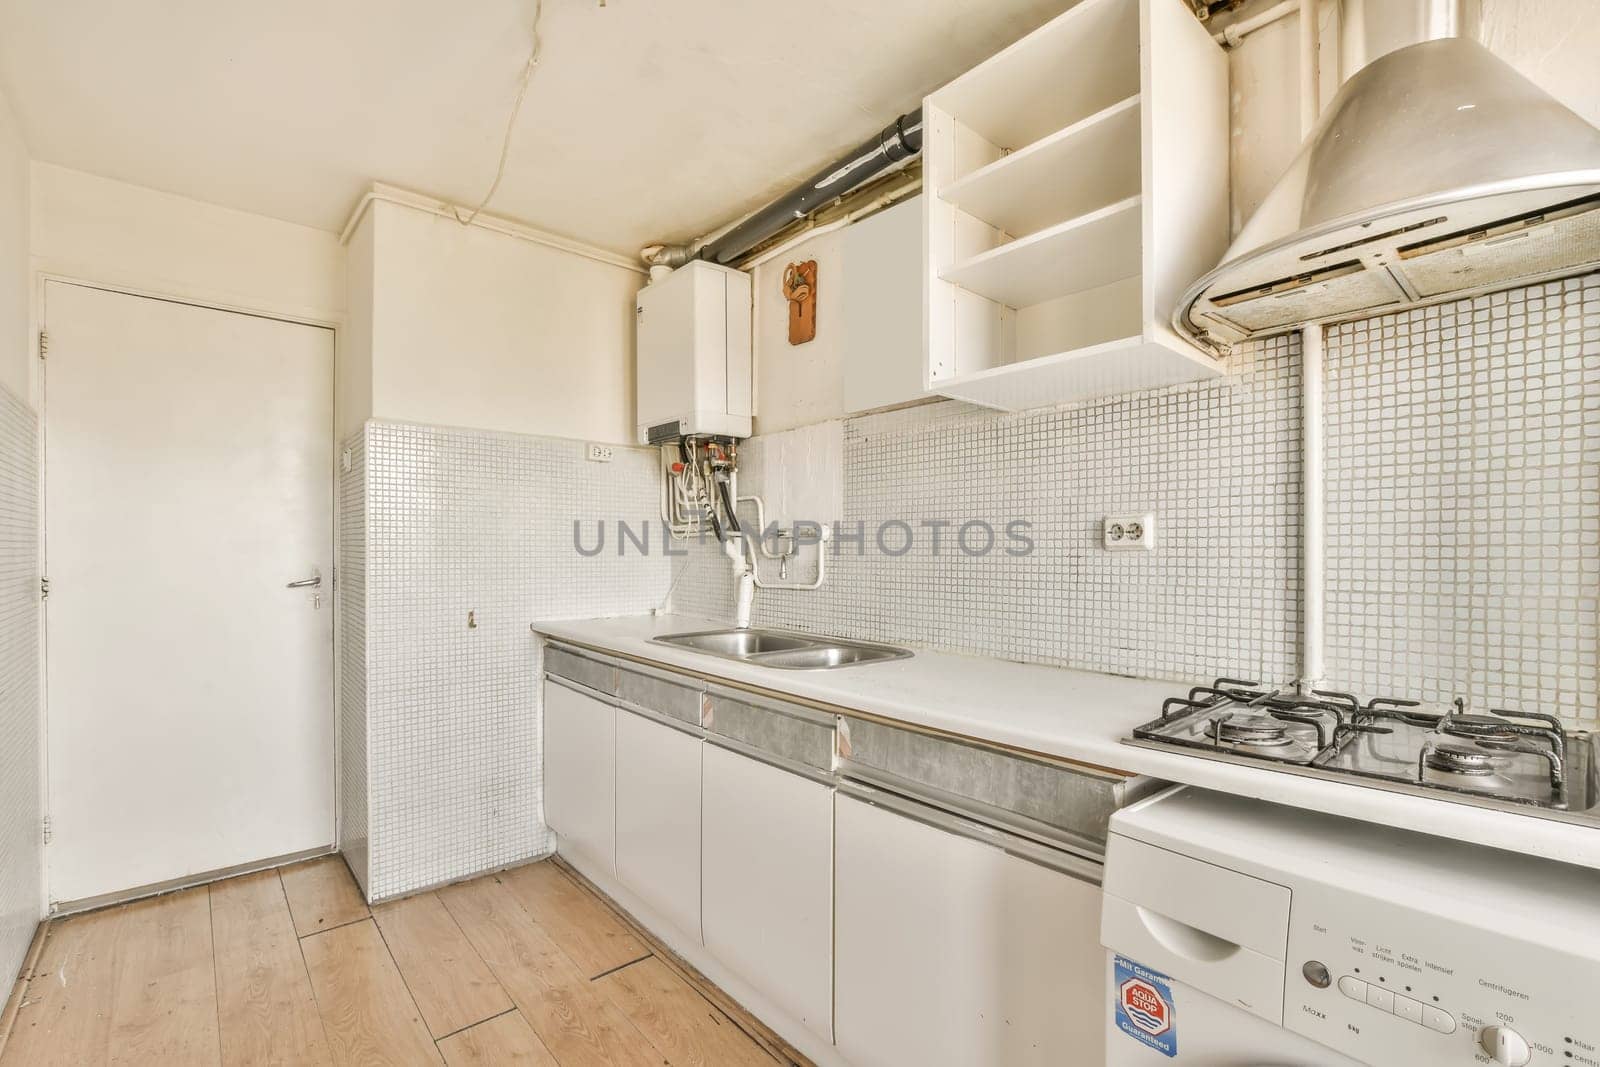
(1218, 463)
(469, 540)
(21, 840)
(1464, 501)
(1463, 516)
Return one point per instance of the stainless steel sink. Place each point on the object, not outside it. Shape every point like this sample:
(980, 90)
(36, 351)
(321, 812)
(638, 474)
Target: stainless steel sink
(785, 651)
(736, 643)
(826, 657)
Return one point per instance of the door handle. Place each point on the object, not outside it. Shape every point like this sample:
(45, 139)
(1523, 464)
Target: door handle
(313, 582)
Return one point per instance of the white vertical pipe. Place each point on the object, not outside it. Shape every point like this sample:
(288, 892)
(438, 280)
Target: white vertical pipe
(1312, 506)
(1313, 566)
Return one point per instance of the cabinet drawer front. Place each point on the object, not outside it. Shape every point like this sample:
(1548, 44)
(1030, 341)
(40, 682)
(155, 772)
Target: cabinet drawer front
(787, 731)
(596, 674)
(767, 882)
(952, 953)
(670, 695)
(1078, 804)
(658, 818)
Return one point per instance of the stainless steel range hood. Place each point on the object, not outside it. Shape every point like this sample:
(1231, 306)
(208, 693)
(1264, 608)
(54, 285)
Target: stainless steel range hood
(1437, 171)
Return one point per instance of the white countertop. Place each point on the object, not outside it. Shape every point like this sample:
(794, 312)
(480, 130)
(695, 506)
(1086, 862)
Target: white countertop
(1073, 715)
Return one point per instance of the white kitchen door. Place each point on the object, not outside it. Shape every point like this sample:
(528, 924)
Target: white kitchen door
(188, 480)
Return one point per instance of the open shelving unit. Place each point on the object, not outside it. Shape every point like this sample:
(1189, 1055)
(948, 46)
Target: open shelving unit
(1075, 184)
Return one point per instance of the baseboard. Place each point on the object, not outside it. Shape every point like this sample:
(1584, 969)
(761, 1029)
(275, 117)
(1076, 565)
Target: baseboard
(62, 908)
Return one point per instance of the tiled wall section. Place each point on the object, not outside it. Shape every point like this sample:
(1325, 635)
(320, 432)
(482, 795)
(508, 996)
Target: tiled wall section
(352, 590)
(1218, 463)
(21, 843)
(463, 522)
(1463, 516)
(1464, 501)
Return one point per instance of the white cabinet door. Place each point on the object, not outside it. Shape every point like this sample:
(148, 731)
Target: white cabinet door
(189, 725)
(883, 264)
(580, 773)
(951, 952)
(767, 890)
(658, 818)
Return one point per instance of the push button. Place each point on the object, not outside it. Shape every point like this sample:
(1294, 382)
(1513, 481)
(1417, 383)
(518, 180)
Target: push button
(1353, 987)
(1438, 1019)
(1408, 1009)
(1380, 998)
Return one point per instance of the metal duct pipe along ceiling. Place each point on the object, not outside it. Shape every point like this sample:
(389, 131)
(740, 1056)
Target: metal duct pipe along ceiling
(899, 140)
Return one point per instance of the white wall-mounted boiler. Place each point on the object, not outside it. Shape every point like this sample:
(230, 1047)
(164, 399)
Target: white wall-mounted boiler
(694, 346)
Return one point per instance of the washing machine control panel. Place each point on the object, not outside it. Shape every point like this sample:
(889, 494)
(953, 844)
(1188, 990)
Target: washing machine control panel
(1386, 983)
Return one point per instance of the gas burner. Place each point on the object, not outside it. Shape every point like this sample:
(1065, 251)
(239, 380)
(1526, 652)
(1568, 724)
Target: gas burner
(1251, 729)
(1462, 759)
(1494, 757)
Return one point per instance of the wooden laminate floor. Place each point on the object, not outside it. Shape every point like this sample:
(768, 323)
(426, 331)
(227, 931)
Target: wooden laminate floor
(526, 966)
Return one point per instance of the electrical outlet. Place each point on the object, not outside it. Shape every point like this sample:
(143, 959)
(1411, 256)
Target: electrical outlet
(601, 453)
(1124, 533)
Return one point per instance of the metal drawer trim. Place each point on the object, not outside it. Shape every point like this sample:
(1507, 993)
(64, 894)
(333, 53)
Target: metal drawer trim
(622, 705)
(657, 717)
(581, 667)
(664, 674)
(661, 693)
(1112, 774)
(1010, 822)
(1058, 805)
(1026, 849)
(794, 735)
(777, 706)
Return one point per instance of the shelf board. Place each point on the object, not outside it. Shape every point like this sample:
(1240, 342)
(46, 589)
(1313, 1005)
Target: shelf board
(1082, 253)
(1074, 65)
(1070, 172)
(1125, 365)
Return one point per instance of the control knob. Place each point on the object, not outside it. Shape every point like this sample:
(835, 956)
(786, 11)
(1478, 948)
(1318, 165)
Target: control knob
(1504, 1045)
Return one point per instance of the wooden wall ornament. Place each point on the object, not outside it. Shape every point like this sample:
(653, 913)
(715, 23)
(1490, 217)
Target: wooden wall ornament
(800, 289)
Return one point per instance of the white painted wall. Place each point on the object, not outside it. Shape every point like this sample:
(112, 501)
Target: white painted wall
(352, 393)
(474, 328)
(96, 229)
(15, 363)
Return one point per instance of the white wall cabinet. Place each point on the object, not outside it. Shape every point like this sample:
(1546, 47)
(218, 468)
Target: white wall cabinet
(953, 953)
(767, 892)
(658, 818)
(1074, 185)
(882, 258)
(580, 773)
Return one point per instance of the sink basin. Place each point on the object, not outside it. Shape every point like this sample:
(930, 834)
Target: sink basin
(785, 651)
(826, 657)
(736, 643)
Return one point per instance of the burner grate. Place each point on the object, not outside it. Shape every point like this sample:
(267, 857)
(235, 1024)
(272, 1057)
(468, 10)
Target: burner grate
(1515, 756)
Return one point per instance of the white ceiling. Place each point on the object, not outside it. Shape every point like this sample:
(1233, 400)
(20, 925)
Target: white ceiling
(646, 119)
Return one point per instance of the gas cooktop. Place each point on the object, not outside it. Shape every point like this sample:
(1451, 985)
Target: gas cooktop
(1516, 760)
